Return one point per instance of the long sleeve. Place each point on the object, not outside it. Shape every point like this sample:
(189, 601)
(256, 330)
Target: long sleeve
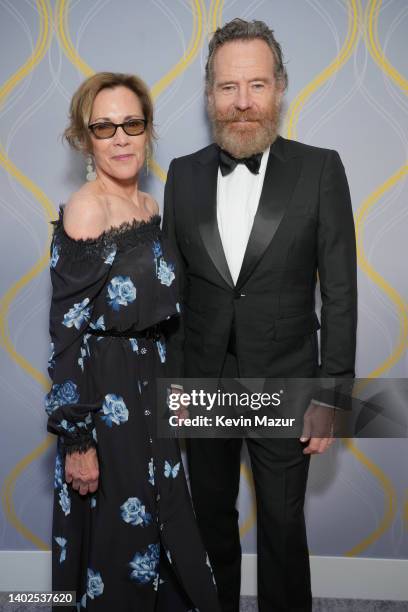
(79, 271)
(337, 267)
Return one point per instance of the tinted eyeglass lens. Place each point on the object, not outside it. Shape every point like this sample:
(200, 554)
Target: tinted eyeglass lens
(103, 130)
(134, 127)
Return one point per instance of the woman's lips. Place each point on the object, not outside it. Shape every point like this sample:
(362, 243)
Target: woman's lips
(122, 157)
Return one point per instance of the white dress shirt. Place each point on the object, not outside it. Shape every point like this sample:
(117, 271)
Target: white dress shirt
(238, 196)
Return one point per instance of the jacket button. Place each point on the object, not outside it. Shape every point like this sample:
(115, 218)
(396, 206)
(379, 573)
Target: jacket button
(238, 295)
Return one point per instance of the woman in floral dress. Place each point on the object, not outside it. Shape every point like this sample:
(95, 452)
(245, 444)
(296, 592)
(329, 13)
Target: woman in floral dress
(124, 532)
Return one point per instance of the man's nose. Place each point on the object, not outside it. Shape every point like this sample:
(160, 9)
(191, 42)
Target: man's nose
(243, 100)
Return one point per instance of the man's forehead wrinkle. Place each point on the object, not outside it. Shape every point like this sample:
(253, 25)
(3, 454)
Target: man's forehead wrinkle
(244, 70)
(239, 70)
(242, 61)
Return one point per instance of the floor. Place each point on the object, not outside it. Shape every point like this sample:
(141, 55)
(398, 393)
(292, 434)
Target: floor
(248, 604)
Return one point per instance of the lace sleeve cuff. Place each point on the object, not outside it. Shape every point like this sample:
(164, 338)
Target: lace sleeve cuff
(74, 424)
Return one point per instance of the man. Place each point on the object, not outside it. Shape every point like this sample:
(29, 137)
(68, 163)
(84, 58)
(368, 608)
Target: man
(254, 219)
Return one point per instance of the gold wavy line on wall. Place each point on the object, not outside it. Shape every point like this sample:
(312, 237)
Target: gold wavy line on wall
(198, 10)
(196, 40)
(349, 46)
(372, 42)
(36, 56)
(199, 15)
(215, 15)
(62, 29)
(374, 46)
(342, 57)
(391, 499)
(7, 489)
(377, 279)
(38, 267)
(45, 33)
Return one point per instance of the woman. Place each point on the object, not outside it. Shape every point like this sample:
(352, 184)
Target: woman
(124, 533)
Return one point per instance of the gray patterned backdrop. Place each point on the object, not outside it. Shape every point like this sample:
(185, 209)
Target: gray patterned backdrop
(347, 62)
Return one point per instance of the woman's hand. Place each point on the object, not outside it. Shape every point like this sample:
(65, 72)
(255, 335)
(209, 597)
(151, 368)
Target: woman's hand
(82, 469)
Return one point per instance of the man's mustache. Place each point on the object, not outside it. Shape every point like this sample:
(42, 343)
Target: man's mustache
(239, 117)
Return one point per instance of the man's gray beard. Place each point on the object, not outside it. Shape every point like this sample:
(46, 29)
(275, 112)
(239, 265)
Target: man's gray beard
(244, 143)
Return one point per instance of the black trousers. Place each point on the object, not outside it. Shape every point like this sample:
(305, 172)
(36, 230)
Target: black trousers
(280, 470)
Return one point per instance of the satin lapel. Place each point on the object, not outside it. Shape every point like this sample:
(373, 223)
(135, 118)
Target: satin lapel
(205, 182)
(280, 179)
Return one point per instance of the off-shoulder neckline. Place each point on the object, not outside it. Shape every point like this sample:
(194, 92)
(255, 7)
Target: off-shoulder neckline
(115, 231)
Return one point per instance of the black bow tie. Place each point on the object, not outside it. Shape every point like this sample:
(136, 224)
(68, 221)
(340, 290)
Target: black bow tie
(228, 163)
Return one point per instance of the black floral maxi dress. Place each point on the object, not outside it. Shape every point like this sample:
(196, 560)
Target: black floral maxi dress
(134, 544)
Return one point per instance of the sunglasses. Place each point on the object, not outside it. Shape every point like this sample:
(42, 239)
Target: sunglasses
(107, 129)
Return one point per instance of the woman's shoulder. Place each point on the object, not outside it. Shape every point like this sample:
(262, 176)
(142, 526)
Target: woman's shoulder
(85, 215)
(150, 204)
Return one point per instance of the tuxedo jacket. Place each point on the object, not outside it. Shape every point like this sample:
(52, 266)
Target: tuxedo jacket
(303, 230)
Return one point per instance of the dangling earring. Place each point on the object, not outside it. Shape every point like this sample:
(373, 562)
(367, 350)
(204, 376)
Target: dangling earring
(90, 170)
(147, 161)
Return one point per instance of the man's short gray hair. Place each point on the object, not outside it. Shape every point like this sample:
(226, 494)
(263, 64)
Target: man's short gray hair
(239, 29)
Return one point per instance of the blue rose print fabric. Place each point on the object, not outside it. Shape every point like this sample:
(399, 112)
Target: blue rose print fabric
(133, 545)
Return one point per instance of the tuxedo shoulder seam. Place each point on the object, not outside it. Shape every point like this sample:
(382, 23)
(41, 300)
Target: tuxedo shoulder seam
(302, 149)
(198, 156)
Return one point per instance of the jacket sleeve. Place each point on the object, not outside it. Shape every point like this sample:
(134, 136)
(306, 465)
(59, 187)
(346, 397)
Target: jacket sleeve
(175, 326)
(337, 268)
(79, 271)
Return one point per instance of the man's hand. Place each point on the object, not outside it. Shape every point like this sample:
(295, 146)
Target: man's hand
(82, 469)
(181, 412)
(318, 426)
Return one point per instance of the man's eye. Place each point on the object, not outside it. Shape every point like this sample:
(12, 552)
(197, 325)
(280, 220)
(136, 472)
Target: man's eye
(228, 87)
(258, 86)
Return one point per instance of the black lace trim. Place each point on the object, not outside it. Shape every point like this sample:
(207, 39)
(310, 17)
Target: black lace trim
(126, 235)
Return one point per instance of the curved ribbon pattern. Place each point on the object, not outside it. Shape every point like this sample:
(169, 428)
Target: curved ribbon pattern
(42, 45)
(7, 490)
(374, 47)
(343, 56)
(198, 11)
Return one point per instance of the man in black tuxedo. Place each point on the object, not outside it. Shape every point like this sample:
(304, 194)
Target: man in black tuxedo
(254, 218)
